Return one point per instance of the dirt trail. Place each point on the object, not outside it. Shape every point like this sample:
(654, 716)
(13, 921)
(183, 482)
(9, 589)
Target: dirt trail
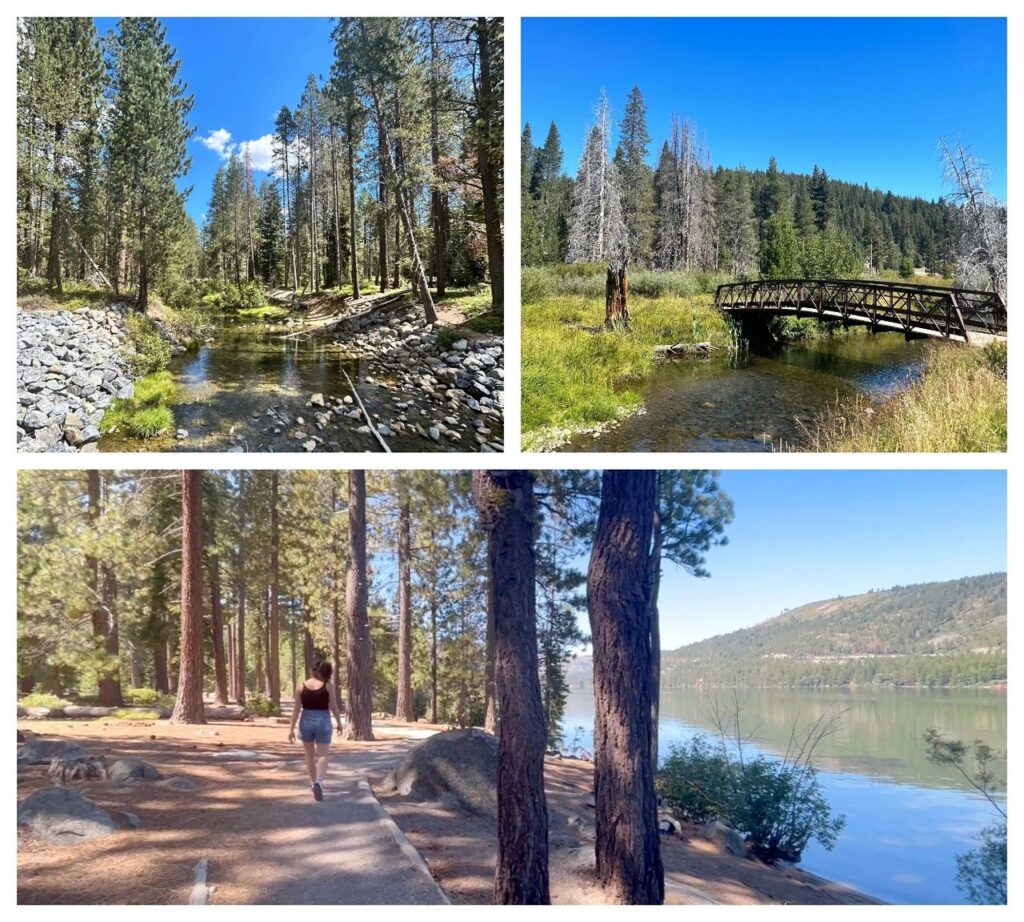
(266, 839)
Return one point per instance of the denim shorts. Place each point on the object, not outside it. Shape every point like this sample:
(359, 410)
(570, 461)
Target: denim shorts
(315, 727)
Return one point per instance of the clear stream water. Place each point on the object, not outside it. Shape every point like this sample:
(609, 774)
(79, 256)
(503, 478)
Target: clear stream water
(906, 819)
(752, 402)
(226, 386)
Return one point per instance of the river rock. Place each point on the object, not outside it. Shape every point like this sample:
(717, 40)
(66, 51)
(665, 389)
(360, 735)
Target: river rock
(64, 816)
(131, 769)
(70, 366)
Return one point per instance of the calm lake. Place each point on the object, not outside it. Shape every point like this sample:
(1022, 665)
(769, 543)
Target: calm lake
(753, 402)
(906, 819)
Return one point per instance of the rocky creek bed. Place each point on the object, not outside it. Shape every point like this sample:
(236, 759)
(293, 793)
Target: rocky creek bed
(422, 387)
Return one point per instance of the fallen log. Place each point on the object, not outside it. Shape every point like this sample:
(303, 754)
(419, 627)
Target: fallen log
(366, 415)
(328, 323)
(226, 712)
(669, 352)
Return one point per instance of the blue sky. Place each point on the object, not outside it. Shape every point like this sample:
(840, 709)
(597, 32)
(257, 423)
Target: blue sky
(801, 536)
(866, 99)
(238, 86)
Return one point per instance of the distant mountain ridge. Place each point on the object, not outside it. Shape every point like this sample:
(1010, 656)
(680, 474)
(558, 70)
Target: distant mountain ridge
(941, 633)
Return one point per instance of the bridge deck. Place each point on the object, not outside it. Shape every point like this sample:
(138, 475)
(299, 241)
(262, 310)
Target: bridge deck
(915, 310)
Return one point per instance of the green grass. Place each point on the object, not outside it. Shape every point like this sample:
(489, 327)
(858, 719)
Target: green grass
(473, 300)
(577, 376)
(493, 324)
(266, 312)
(143, 416)
(41, 700)
(35, 294)
(129, 714)
(959, 405)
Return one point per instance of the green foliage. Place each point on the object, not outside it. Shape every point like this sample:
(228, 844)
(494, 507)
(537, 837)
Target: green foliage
(130, 714)
(778, 805)
(149, 350)
(144, 415)
(263, 707)
(576, 376)
(907, 268)
(829, 255)
(981, 872)
(188, 324)
(780, 249)
(42, 700)
(248, 296)
(147, 697)
(697, 780)
(267, 312)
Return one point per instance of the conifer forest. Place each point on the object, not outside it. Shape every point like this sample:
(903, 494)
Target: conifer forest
(352, 252)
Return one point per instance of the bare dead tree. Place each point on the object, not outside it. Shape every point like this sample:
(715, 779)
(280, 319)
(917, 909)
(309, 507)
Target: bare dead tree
(981, 259)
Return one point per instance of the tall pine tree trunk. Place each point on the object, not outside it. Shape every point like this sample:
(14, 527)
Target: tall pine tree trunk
(628, 850)
(489, 156)
(220, 674)
(360, 651)
(188, 707)
(241, 589)
(53, 264)
(655, 584)
(490, 695)
(382, 205)
(404, 699)
(103, 585)
(506, 505)
(274, 622)
(349, 128)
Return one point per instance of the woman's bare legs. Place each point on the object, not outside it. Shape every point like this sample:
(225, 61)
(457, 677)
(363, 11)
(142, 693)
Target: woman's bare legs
(310, 761)
(322, 753)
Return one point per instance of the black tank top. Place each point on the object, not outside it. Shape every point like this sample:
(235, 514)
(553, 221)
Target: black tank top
(315, 699)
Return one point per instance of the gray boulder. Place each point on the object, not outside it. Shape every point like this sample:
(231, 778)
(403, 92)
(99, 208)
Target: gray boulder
(41, 752)
(725, 837)
(133, 770)
(64, 816)
(458, 767)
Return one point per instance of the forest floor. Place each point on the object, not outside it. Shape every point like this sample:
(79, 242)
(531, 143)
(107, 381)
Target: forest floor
(267, 840)
(461, 851)
(256, 823)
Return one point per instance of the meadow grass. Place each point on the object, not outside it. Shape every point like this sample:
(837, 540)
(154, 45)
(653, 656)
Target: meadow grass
(577, 376)
(958, 405)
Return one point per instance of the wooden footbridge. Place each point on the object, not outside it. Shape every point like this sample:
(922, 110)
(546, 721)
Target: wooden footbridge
(915, 310)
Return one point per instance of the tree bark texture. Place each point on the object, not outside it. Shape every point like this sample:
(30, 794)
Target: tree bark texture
(360, 651)
(188, 707)
(628, 850)
(505, 502)
(274, 622)
(616, 298)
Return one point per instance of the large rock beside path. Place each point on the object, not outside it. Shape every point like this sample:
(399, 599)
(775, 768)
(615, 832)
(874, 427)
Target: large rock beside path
(39, 751)
(459, 768)
(131, 769)
(64, 816)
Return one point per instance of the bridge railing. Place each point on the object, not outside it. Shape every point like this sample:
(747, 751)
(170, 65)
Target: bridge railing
(930, 309)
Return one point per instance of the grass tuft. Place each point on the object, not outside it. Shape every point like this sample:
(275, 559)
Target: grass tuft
(959, 405)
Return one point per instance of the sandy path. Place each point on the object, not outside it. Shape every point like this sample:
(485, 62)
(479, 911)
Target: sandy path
(265, 837)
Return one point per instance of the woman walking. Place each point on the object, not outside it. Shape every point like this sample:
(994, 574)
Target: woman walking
(315, 700)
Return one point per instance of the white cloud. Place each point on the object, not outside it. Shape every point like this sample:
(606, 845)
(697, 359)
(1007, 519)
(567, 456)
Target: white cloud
(219, 142)
(261, 153)
(261, 150)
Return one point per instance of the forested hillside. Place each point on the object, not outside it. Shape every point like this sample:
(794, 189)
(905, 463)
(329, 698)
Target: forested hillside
(687, 213)
(947, 633)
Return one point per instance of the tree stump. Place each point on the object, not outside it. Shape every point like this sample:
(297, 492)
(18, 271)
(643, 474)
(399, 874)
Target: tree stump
(616, 296)
(85, 768)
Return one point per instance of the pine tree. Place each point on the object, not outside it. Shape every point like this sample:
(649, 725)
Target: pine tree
(636, 181)
(148, 135)
(780, 250)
